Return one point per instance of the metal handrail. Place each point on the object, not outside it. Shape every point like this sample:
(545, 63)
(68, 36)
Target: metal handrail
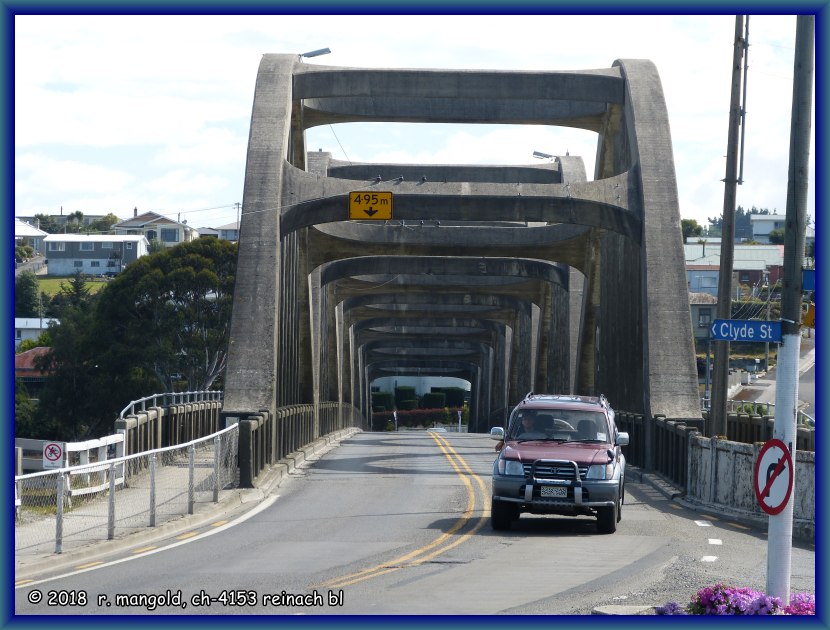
(733, 405)
(172, 398)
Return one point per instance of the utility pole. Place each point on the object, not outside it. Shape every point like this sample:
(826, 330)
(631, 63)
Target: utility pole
(720, 378)
(780, 529)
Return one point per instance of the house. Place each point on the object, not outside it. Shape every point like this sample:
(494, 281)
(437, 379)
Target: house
(26, 370)
(753, 266)
(208, 232)
(156, 227)
(92, 254)
(61, 219)
(229, 232)
(763, 224)
(30, 328)
(27, 234)
(703, 307)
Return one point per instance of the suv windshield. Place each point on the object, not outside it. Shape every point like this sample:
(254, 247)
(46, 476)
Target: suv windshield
(558, 424)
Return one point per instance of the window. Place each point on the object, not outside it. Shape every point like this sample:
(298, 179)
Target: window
(708, 282)
(87, 247)
(744, 276)
(106, 245)
(169, 235)
(95, 263)
(704, 317)
(128, 245)
(57, 247)
(18, 333)
(111, 263)
(79, 263)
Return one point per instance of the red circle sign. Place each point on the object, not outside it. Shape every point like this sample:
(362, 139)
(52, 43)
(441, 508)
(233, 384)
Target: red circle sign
(773, 479)
(53, 452)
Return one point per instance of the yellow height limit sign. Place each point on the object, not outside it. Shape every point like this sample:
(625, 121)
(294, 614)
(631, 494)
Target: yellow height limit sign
(374, 206)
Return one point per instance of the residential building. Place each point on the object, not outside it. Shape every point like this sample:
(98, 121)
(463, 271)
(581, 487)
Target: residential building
(27, 234)
(763, 224)
(703, 308)
(229, 232)
(92, 254)
(208, 232)
(154, 226)
(30, 328)
(26, 370)
(61, 219)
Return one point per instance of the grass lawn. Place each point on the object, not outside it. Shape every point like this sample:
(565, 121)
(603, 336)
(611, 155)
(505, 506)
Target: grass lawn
(51, 285)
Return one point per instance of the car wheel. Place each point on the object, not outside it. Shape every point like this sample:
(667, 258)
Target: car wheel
(501, 515)
(607, 518)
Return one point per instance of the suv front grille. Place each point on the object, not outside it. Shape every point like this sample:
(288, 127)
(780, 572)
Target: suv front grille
(555, 471)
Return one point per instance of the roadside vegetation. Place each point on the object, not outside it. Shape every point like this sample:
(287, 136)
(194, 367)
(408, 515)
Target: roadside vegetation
(161, 325)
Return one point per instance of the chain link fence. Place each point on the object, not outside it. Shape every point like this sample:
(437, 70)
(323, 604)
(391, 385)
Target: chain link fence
(79, 505)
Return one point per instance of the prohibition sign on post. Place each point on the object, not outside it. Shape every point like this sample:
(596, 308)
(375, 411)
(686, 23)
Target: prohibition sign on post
(52, 455)
(773, 482)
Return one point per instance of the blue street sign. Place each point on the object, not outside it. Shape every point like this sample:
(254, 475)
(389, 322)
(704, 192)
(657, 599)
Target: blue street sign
(745, 330)
(808, 279)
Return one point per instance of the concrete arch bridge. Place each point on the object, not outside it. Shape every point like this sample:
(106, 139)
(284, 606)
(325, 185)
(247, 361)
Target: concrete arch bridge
(515, 278)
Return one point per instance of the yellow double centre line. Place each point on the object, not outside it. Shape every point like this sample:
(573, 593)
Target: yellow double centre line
(445, 541)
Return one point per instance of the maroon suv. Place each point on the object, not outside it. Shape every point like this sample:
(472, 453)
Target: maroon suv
(560, 455)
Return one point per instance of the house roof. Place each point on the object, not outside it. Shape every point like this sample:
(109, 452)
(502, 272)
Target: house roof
(24, 363)
(29, 323)
(702, 298)
(229, 226)
(147, 218)
(95, 238)
(24, 230)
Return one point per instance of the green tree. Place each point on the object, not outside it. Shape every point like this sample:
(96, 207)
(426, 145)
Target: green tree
(172, 309)
(74, 398)
(26, 295)
(25, 423)
(104, 224)
(75, 222)
(44, 340)
(47, 224)
(776, 236)
(155, 246)
(690, 228)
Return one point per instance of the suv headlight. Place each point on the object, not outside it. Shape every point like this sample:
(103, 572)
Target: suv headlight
(600, 471)
(511, 467)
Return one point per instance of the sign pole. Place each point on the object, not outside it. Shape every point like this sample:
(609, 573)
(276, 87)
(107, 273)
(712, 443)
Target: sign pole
(779, 545)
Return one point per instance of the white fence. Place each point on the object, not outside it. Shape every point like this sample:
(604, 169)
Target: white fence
(89, 503)
(73, 453)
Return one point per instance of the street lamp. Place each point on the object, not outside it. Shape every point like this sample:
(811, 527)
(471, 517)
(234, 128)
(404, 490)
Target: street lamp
(542, 156)
(315, 53)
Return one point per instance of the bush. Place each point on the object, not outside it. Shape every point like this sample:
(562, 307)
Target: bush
(405, 405)
(384, 400)
(455, 395)
(403, 393)
(434, 400)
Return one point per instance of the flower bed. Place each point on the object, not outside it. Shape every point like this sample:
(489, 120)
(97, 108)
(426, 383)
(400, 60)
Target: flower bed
(729, 600)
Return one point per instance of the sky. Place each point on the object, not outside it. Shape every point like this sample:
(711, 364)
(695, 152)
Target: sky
(115, 113)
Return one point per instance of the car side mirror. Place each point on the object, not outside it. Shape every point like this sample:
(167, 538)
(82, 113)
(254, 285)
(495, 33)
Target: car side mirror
(622, 438)
(497, 433)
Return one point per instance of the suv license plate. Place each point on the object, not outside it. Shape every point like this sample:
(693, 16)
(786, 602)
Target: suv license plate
(553, 491)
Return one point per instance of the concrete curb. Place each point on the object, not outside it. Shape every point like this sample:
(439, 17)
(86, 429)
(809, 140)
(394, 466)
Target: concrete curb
(28, 567)
(616, 609)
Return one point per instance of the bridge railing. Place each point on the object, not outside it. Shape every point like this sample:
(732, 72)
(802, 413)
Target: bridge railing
(672, 438)
(167, 419)
(264, 439)
(88, 503)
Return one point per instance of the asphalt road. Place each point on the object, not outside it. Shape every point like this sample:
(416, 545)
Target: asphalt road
(397, 524)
